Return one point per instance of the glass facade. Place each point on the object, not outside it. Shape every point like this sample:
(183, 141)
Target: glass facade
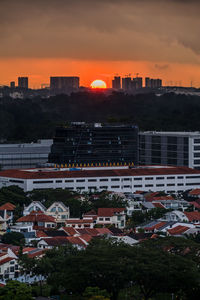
(90, 143)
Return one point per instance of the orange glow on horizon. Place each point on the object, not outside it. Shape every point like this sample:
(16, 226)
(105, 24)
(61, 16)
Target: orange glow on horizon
(98, 84)
(40, 70)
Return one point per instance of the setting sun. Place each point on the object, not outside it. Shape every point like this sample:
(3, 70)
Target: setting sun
(98, 84)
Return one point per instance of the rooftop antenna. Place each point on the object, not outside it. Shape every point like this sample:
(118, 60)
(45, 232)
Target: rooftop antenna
(137, 75)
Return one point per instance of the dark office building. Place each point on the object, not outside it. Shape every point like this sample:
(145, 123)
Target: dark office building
(95, 143)
(126, 83)
(137, 83)
(63, 84)
(23, 82)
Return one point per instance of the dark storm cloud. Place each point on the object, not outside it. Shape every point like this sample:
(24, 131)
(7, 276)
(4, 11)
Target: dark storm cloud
(101, 29)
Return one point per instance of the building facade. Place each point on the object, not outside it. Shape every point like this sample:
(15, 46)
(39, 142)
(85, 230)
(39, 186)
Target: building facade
(116, 83)
(116, 179)
(95, 143)
(27, 155)
(64, 84)
(170, 148)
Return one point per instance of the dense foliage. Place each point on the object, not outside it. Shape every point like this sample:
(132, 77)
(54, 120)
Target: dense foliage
(163, 266)
(31, 119)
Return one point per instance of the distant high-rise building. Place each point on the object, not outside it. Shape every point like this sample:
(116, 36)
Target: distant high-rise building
(63, 84)
(12, 84)
(126, 83)
(23, 82)
(116, 83)
(153, 83)
(137, 83)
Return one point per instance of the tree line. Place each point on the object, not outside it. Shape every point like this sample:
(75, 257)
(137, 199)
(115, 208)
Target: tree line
(31, 119)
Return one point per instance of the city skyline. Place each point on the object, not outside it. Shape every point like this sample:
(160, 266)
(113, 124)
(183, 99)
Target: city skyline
(97, 39)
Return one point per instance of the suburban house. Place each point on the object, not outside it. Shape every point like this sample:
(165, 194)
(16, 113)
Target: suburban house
(34, 221)
(9, 268)
(59, 211)
(80, 223)
(111, 216)
(175, 215)
(34, 206)
(6, 215)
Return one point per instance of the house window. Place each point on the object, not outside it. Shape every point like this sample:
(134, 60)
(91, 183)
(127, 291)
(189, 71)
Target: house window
(138, 178)
(53, 209)
(100, 219)
(103, 187)
(126, 179)
(159, 185)
(69, 180)
(170, 184)
(12, 269)
(137, 186)
(180, 177)
(92, 180)
(103, 180)
(115, 179)
(107, 219)
(43, 181)
(63, 217)
(80, 180)
(171, 177)
(127, 186)
(115, 187)
(60, 209)
(160, 178)
(58, 181)
(149, 178)
(148, 185)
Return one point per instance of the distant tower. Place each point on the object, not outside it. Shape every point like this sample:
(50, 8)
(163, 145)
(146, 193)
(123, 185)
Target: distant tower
(116, 83)
(23, 82)
(126, 83)
(12, 84)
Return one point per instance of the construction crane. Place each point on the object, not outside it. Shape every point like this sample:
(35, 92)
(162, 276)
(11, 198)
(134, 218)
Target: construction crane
(137, 75)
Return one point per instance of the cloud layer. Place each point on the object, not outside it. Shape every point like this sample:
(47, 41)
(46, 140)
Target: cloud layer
(148, 30)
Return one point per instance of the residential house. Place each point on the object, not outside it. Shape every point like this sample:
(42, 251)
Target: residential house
(80, 223)
(112, 216)
(59, 211)
(36, 220)
(34, 206)
(9, 268)
(6, 215)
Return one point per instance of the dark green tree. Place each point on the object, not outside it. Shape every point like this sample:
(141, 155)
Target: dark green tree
(14, 238)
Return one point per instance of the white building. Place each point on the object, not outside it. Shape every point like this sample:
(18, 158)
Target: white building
(117, 179)
(111, 216)
(170, 148)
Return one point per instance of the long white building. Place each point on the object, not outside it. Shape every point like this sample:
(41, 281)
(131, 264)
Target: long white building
(118, 179)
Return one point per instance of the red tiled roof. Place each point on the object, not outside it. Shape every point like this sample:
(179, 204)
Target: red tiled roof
(109, 212)
(103, 231)
(90, 231)
(158, 205)
(156, 226)
(7, 206)
(5, 260)
(76, 241)
(161, 198)
(36, 253)
(70, 231)
(86, 237)
(195, 192)
(40, 234)
(36, 217)
(2, 284)
(193, 215)
(56, 241)
(44, 174)
(178, 230)
(195, 204)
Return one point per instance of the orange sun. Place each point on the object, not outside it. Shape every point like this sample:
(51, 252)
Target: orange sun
(98, 84)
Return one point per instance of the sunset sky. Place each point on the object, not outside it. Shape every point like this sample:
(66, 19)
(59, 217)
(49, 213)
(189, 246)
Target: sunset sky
(96, 39)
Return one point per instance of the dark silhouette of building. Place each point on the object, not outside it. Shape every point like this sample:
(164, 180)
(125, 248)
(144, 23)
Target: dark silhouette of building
(82, 143)
(126, 83)
(63, 84)
(136, 83)
(12, 84)
(23, 82)
(153, 83)
(116, 83)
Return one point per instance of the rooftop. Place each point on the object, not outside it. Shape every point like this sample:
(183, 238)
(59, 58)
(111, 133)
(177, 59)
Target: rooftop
(95, 172)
